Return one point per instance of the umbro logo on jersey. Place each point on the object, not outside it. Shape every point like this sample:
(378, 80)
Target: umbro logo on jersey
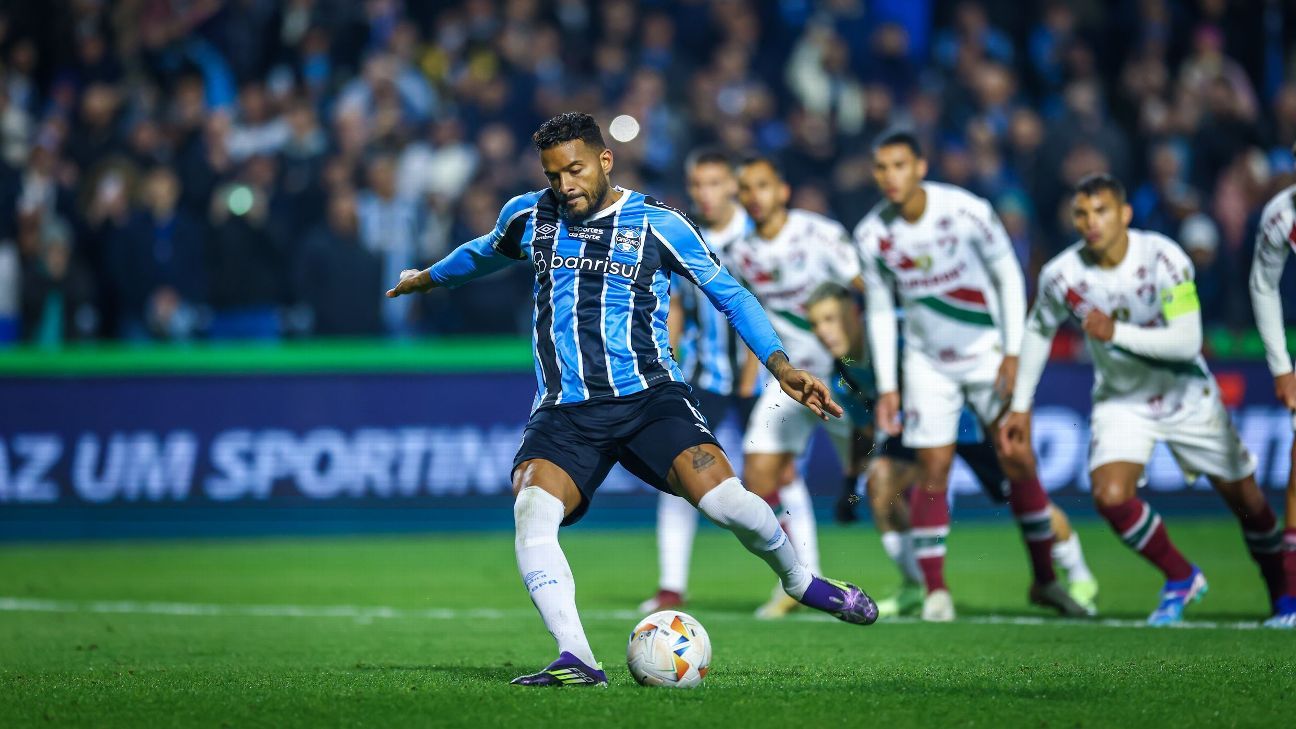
(546, 229)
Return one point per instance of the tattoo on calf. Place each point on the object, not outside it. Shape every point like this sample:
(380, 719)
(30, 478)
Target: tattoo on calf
(701, 459)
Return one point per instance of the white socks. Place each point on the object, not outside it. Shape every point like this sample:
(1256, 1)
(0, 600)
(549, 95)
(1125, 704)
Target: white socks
(899, 547)
(536, 517)
(676, 527)
(733, 507)
(1069, 557)
(799, 523)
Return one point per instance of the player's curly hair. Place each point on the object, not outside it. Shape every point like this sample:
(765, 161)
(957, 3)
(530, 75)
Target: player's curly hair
(568, 127)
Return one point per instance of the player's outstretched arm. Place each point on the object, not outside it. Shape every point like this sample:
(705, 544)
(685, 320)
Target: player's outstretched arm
(803, 387)
(478, 257)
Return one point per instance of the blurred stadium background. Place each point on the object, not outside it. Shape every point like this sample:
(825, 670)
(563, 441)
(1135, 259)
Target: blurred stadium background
(204, 200)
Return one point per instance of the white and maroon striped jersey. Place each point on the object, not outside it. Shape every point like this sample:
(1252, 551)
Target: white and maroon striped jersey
(940, 267)
(1134, 291)
(808, 251)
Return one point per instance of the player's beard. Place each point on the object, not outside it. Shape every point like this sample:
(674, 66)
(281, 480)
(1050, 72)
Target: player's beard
(595, 198)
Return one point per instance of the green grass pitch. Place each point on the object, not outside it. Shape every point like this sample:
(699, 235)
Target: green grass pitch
(427, 631)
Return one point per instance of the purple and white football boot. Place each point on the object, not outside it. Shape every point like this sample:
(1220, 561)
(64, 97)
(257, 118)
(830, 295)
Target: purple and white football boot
(568, 670)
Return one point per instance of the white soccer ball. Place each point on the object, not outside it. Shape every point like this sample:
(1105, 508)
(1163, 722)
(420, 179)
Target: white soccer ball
(669, 648)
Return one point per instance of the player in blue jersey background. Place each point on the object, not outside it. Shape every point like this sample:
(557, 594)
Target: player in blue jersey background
(609, 390)
(723, 373)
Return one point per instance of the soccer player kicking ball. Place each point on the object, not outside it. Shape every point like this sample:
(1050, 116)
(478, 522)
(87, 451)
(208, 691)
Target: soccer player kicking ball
(787, 255)
(838, 323)
(609, 390)
(948, 257)
(724, 375)
(1132, 292)
(1277, 232)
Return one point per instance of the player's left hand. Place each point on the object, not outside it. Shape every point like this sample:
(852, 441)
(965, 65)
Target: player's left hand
(1006, 381)
(810, 391)
(1099, 326)
(1285, 390)
(412, 281)
(1014, 432)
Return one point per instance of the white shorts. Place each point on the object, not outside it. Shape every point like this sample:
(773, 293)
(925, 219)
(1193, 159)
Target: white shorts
(780, 424)
(1201, 437)
(933, 400)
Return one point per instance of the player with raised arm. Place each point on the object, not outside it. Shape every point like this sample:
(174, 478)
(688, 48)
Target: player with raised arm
(945, 253)
(892, 469)
(1132, 293)
(787, 254)
(724, 374)
(1276, 234)
(609, 390)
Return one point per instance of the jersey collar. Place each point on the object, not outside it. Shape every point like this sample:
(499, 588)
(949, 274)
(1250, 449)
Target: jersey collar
(614, 207)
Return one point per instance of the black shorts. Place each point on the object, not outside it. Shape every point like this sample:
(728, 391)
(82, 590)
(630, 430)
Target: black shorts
(979, 456)
(644, 432)
(716, 408)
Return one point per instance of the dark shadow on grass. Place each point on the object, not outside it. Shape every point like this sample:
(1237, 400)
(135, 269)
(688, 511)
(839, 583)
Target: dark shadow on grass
(476, 673)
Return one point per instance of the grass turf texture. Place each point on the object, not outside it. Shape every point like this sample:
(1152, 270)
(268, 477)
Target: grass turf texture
(69, 665)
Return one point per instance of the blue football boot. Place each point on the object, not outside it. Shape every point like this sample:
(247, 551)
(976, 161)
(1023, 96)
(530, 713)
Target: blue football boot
(1176, 595)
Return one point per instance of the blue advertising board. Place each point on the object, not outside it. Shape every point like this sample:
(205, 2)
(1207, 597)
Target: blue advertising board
(269, 454)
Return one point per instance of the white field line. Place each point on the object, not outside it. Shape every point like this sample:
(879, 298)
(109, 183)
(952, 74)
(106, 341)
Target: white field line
(366, 614)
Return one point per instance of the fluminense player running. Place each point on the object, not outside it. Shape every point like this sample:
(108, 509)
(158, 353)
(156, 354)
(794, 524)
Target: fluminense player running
(947, 256)
(838, 323)
(1277, 233)
(1133, 294)
(609, 390)
(724, 374)
(785, 257)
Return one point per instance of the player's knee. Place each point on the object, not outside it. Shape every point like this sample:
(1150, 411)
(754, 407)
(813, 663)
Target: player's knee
(935, 474)
(1108, 494)
(761, 473)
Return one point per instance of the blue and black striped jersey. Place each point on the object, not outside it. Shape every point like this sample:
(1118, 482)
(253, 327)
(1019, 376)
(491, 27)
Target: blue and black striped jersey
(710, 355)
(602, 288)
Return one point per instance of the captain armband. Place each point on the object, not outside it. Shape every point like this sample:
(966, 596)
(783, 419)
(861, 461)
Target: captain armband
(1180, 300)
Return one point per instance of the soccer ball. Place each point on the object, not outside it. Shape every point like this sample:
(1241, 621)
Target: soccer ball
(669, 648)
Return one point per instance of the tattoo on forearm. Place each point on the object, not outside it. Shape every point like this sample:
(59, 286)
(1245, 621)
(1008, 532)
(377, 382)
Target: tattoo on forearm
(701, 459)
(777, 363)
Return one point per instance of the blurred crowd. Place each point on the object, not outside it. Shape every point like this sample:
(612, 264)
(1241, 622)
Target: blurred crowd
(180, 169)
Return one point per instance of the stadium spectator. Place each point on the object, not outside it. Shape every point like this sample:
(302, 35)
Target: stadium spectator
(421, 105)
(390, 225)
(1200, 238)
(338, 275)
(57, 290)
(157, 265)
(246, 265)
